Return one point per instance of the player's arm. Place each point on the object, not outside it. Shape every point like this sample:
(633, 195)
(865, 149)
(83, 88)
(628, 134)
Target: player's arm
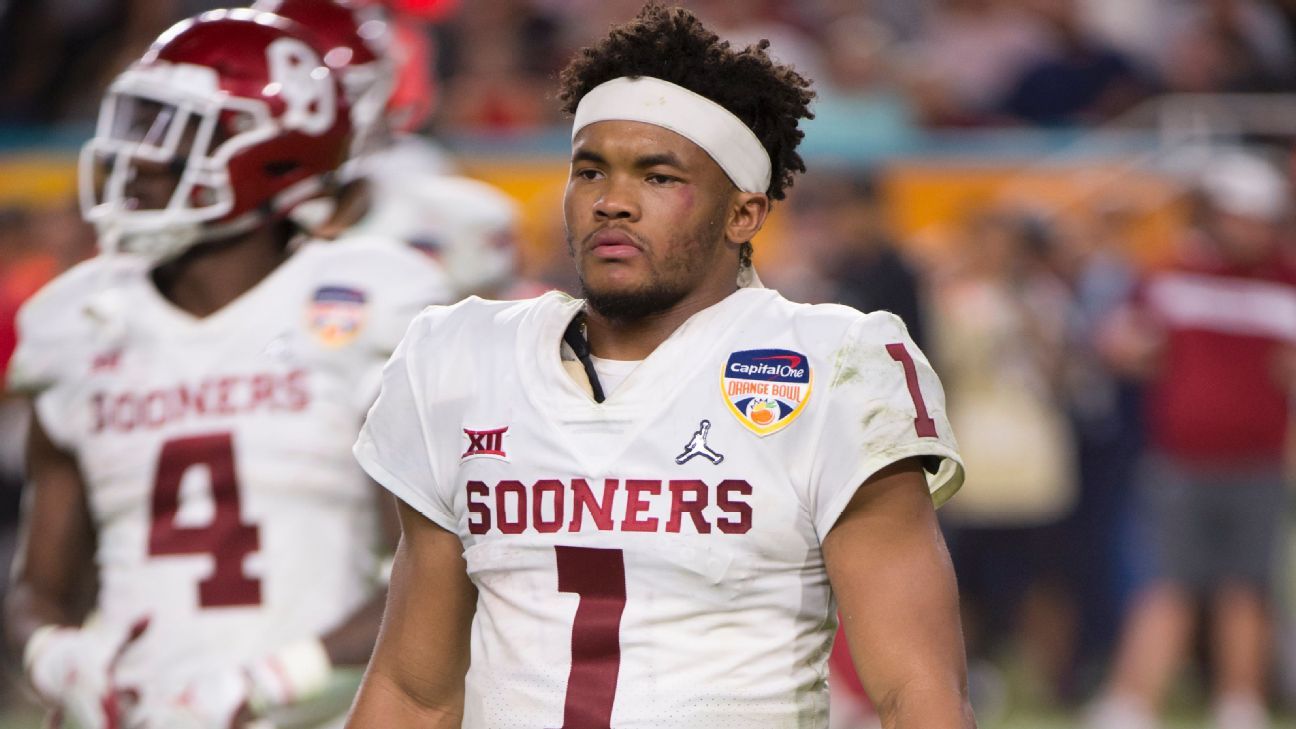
(69, 667)
(351, 643)
(416, 675)
(54, 561)
(895, 586)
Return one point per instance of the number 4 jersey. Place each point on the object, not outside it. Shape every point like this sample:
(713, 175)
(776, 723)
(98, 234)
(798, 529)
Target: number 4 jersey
(216, 451)
(653, 560)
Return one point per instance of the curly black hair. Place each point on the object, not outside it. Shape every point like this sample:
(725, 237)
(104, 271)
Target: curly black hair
(671, 44)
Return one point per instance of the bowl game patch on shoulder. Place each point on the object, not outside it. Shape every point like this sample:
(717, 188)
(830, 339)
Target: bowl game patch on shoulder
(336, 314)
(766, 389)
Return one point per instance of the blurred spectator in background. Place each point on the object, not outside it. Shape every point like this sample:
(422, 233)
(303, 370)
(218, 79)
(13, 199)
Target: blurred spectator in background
(999, 333)
(1228, 46)
(869, 271)
(502, 54)
(967, 55)
(1137, 27)
(59, 54)
(904, 18)
(1214, 336)
(1082, 80)
(745, 23)
(860, 99)
(1103, 406)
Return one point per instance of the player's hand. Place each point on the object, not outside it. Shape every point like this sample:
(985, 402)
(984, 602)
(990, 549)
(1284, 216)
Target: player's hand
(235, 698)
(212, 701)
(72, 670)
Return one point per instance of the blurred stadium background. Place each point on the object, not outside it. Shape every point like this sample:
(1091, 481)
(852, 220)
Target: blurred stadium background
(1051, 146)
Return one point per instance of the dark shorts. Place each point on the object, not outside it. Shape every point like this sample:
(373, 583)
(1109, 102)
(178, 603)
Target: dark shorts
(1210, 527)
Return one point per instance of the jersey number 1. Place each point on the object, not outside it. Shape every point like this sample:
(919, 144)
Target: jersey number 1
(923, 423)
(598, 576)
(226, 538)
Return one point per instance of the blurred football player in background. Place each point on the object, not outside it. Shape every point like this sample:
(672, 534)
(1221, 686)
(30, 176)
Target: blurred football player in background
(196, 390)
(401, 185)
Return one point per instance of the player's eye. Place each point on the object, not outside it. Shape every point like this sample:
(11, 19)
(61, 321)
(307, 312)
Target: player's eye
(660, 179)
(586, 173)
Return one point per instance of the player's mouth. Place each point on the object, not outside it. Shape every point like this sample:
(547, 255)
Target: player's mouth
(614, 244)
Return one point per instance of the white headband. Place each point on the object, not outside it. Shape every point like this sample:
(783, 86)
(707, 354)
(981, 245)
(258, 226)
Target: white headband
(730, 142)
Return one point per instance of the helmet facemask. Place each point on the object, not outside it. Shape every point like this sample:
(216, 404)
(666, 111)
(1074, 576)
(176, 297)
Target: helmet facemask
(368, 88)
(159, 120)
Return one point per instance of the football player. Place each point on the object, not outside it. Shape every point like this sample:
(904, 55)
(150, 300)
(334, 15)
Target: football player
(196, 389)
(640, 508)
(401, 186)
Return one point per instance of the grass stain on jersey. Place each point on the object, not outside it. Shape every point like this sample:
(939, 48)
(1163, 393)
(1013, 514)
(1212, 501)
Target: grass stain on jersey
(846, 368)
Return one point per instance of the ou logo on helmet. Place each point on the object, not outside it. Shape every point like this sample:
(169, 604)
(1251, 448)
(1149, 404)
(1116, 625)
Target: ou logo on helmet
(305, 86)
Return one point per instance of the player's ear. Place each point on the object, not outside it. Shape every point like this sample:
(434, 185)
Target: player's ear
(747, 211)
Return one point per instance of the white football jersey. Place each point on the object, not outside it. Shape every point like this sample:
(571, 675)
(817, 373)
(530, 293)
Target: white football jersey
(216, 451)
(653, 560)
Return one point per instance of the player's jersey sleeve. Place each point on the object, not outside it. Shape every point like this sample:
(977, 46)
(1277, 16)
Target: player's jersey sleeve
(884, 403)
(58, 330)
(404, 282)
(394, 446)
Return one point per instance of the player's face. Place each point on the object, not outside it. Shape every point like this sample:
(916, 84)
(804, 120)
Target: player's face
(152, 185)
(152, 182)
(645, 212)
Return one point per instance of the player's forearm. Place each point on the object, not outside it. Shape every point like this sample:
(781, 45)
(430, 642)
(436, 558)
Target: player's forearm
(931, 705)
(383, 702)
(26, 610)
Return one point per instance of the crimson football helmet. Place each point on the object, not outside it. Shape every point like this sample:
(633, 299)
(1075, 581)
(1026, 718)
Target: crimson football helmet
(354, 39)
(239, 115)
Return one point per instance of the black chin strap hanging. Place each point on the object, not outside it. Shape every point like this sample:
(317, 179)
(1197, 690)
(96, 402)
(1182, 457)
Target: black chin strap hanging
(575, 338)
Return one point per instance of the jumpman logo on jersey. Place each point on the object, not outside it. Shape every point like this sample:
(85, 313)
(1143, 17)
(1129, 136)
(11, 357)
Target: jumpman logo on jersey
(697, 446)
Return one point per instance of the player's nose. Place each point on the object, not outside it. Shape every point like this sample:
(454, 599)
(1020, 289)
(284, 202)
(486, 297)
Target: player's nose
(152, 184)
(617, 201)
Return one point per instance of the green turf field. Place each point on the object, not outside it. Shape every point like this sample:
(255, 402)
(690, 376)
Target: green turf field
(10, 721)
(1059, 722)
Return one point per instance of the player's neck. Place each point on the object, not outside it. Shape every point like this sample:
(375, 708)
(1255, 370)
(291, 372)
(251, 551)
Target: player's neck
(210, 276)
(635, 339)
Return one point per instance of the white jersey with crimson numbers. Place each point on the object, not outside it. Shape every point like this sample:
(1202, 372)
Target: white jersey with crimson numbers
(653, 560)
(216, 451)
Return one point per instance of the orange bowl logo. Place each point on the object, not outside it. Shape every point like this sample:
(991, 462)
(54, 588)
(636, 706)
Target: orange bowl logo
(336, 315)
(766, 389)
(762, 412)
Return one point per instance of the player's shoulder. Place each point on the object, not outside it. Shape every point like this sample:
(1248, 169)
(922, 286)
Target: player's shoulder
(366, 254)
(75, 296)
(832, 326)
(77, 312)
(479, 321)
(373, 262)
(469, 194)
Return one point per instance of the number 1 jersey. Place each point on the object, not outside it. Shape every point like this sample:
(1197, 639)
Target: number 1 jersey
(653, 560)
(216, 451)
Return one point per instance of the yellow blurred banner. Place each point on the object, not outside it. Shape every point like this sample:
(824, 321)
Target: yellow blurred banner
(37, 180)
(929, 201)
